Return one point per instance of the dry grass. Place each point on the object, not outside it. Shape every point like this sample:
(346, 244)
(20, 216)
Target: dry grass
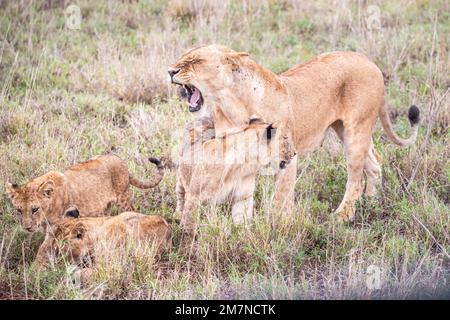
(66, 95)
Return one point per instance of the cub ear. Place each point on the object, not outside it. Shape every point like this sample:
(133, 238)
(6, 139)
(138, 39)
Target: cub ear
(47, 188)
(276, 124)
(271, 130)
(254, 119)
(72, 213)
(79, 230)
(11, 189)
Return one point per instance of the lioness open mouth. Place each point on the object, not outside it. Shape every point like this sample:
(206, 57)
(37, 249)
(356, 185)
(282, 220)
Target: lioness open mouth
(193, 96)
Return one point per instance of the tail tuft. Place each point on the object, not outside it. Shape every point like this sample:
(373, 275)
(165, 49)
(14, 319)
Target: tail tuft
(414, 115)
(156, 162)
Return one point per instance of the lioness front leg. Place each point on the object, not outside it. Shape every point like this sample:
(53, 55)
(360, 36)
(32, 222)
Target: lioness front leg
(284, 188)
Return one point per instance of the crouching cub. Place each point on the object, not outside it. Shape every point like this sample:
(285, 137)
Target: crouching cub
(79, 239)
(225, 168)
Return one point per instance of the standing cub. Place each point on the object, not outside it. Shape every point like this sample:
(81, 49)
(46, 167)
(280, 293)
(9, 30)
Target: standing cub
(91, 186)
(225, 168)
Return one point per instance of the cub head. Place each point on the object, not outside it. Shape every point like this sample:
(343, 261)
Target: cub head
(204, 70)
(277, 143)
(34, 201)
(72, 238)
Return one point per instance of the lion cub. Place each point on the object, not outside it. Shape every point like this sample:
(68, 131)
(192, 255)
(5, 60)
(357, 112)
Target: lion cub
(91, 186)
(79, 238)
(225, 168)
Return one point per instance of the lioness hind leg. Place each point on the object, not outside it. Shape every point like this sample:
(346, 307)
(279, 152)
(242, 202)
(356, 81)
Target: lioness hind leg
(124, 201)
(372, 169)
(356, 146)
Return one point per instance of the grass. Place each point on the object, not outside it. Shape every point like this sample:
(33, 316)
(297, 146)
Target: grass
(67, 95)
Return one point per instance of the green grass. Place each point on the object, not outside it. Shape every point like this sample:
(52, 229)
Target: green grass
(67, 95)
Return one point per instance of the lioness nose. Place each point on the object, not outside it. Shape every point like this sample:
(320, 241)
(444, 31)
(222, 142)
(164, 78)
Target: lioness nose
(173, 72)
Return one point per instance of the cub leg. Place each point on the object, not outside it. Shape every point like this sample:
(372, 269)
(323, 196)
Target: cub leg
(356, 145)
(124, 201)
(46, 252)
(180, 191)
(242, 211)
(284, 188)
(372, 170)
(188, 224)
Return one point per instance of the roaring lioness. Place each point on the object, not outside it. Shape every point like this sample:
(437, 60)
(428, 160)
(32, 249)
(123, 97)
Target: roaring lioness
(76, 238)
(225, 168)
(341, 90)
(91, 186)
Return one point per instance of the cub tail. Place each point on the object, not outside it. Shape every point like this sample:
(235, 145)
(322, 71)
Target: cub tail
(152, 182)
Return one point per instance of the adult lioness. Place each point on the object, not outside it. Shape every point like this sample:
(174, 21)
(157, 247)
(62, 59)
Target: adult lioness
(225, 168)
(341, 90)
(91, 186)
(77, 237)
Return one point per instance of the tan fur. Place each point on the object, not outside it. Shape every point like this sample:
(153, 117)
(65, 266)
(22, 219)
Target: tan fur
(91, 186)
(224, 169)
(76, 238)
(342, 90)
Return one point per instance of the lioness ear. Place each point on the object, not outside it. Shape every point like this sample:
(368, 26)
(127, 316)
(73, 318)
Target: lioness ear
(271, 130)
(233, 59)
(47, 188)
(72, 213)
(11, 189)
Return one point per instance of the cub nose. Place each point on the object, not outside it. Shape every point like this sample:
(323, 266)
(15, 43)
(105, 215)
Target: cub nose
(173, 72)
(282, 164)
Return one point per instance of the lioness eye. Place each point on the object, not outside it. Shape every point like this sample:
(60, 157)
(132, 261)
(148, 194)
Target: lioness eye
(19, 211)
(79, 235)
(34, 210)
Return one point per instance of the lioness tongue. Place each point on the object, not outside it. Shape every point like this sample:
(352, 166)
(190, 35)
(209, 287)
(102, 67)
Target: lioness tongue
(194, 97)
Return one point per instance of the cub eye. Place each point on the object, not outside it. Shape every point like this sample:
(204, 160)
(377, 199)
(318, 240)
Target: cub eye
(19, 211)
(79, 236)
(34, 210)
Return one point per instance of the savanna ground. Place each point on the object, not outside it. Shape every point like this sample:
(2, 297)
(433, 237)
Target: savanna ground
(67, 95)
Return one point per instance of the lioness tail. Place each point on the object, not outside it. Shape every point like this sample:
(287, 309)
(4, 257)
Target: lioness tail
(414, 119)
